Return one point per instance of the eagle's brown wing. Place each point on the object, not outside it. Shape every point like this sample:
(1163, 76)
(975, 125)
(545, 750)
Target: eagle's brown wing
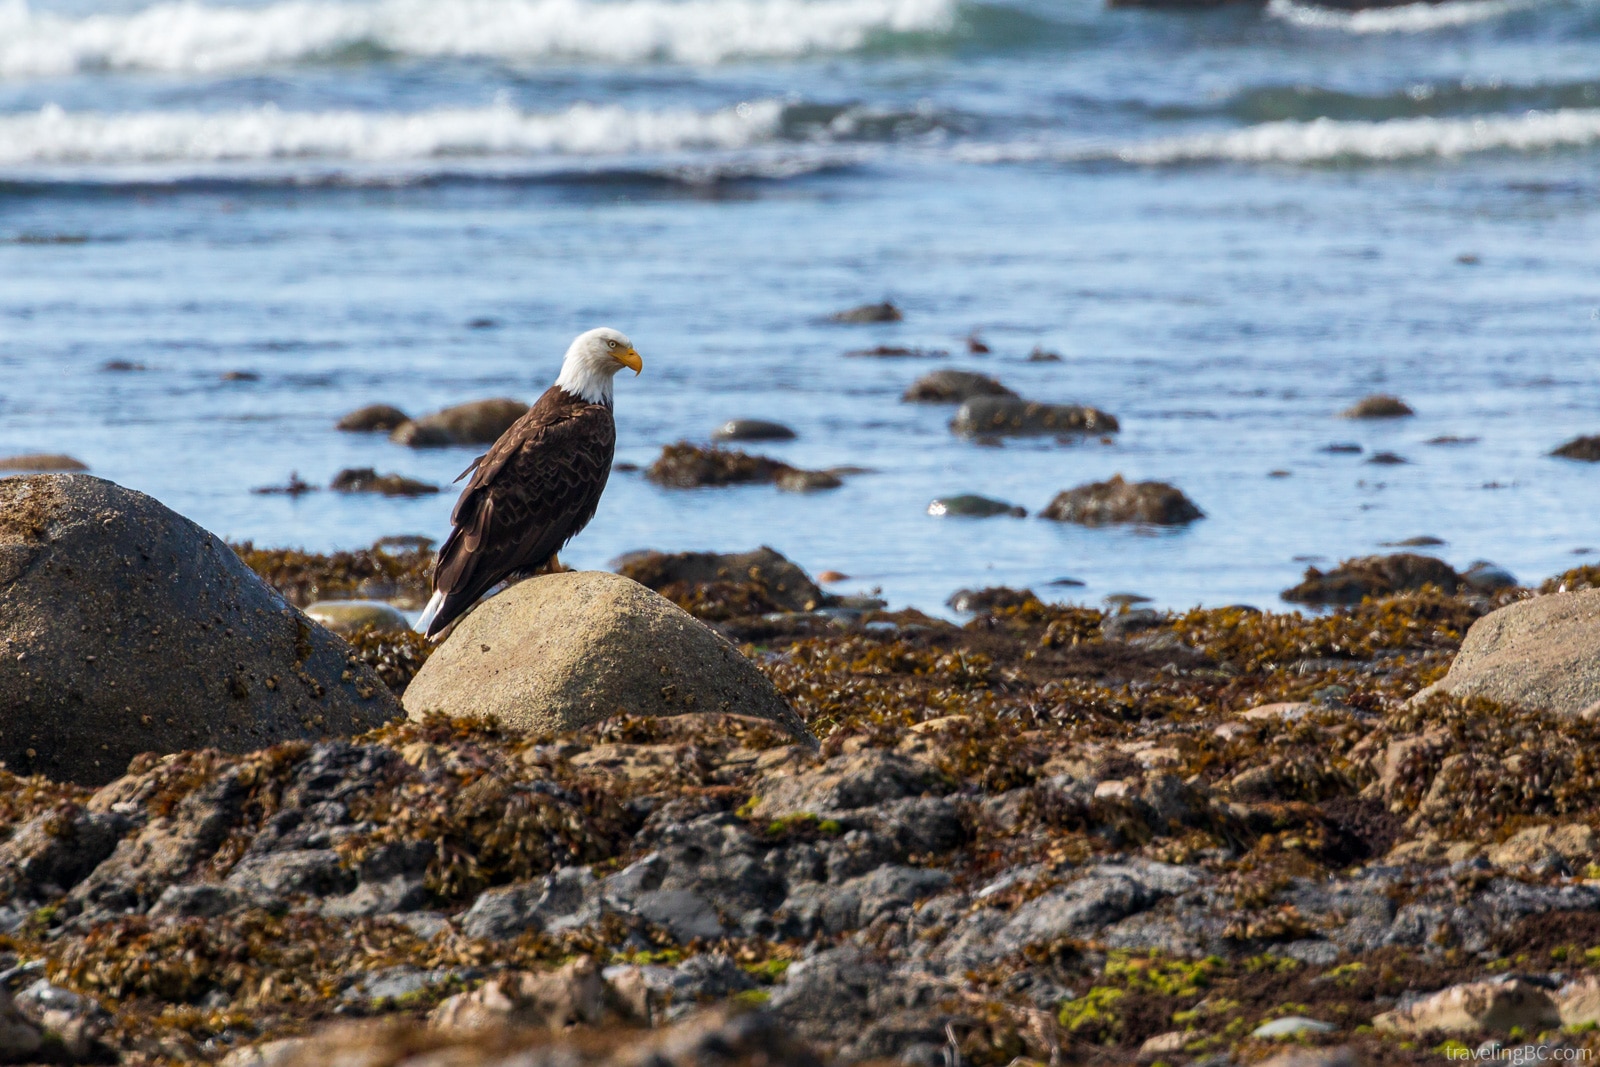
(529, 494)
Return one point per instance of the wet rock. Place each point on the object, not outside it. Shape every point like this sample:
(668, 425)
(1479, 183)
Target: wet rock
(1586, 449)
(122, 366)
(74, 1021)
(554, 1000)
(240, 376)
(1387, 459)
(480, 422)
(1377, 406)
(1473, 1007)
(294, 487)
(1341, 448)
(761, 581)
(988, 599)
(752, 430)
(976, 345)
(968, 505)
(52, 853)
(991, 416)
(1423, 541)
(127, 629)
(561, 651)
(1540, 653)
(1120, 501)
(953, 387)
(372, 419)
(368, 480)
(1043, 355)
(1485, 577)
(799, 481)
(348, 616)
(845, 783)
(19, 1038)
(1355, 579)
(40, 462)
(867, 313)
(896, 352)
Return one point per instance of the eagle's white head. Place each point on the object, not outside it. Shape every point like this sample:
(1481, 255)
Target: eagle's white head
(593, 360)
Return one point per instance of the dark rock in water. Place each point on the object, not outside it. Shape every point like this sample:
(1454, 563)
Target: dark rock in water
(1485, 577)
(483, 323)
(1387, 459)
(129, 629)
(1355, 579)
(752, 430)
(121, 366)
(293, 487)
(1124, 624)
(884, 312)
(998, 596)
(1066, 582)
(754, 582)
(977, 507)
(1586, 449)
(1342, 448)
(799, 481)
(1377, 406)
(1120, 501)
(898, 352)
(975, 345)
(952, 387)
(39, 462)
(480, 422)
(1451, 439)
(998, 415)
(1040, 355)
(368, 480)
(1423, 541)
(373, 418)
(241, 376)
(689, 466)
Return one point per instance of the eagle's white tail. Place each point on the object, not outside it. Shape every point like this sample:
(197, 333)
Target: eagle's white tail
(429, 613)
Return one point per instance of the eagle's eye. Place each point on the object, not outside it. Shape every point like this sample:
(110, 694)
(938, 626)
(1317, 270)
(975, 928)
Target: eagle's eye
(610, 343)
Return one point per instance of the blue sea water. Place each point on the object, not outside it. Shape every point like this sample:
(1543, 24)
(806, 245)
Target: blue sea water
(1230, 225)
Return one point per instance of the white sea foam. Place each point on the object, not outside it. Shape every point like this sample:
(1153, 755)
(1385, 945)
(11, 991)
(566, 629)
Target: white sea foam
(1407, 18)
(1326, 141)
(54, 137)
(187, 36)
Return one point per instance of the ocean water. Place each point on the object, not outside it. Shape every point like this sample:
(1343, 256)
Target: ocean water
(1230, 225)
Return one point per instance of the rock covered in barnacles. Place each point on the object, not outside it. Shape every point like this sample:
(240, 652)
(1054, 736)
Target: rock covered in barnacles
(1004, 415)
(1122, 501)
(126, 628)
(561, 651)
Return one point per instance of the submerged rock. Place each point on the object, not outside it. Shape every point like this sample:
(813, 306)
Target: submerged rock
(867, 313)
(126, 628)
(1538, 653)
(795, 480)
(1121, 501)
(1377, 406)
(1356, 579)
(348, 616)
(561, 651)
(373, 418)
(953, 386)
(897, 352)
(41, 462)
(977, 507)
(999, 415)
(368, 480)
(752, 430)
(688, 466)
(480, 422)
(1586, 449)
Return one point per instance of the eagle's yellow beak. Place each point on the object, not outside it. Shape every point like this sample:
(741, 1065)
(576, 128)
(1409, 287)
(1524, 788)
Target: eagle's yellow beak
(631, 360)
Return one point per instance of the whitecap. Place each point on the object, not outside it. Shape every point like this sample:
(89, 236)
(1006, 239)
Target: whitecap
(1406, 18)
(191, 37)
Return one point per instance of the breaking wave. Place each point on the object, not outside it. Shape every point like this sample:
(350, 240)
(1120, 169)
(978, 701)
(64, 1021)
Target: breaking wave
(53, 137)
(1407, 18)
(1327, 141)
(190, 37)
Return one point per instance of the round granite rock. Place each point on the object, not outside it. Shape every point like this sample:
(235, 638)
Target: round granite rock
(562, 651)
(126, 628)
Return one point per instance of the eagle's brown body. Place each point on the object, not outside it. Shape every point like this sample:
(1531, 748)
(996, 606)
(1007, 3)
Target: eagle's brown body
(529, 494)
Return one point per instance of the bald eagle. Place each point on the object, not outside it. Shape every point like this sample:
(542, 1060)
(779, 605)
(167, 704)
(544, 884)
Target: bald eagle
(537, 486)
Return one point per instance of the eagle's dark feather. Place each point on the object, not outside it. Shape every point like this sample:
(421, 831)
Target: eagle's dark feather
(529, 494)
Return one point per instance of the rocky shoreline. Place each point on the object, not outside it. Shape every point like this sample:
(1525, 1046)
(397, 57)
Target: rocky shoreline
(1049, 835)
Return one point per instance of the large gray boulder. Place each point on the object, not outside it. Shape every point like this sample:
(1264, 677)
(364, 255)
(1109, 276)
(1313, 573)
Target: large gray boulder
(562, 651)
(126, 628)
(1539, 653)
